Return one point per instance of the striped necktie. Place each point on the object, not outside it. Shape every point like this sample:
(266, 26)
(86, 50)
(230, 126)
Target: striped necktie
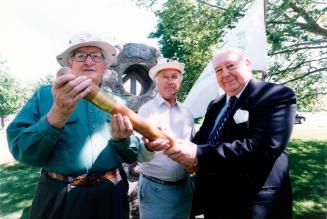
(215, 135)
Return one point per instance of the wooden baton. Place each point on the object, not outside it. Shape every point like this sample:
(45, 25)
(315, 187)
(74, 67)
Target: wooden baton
(109, 104)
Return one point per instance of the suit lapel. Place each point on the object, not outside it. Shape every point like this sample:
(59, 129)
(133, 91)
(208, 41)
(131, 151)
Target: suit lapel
(216, 108)
(243, 100)
(210, 118)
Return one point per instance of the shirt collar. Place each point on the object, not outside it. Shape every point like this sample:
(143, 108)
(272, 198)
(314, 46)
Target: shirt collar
(239, 94)
(160, 100)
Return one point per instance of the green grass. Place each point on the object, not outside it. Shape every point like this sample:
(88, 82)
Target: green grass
(17, 184)
(308, 169)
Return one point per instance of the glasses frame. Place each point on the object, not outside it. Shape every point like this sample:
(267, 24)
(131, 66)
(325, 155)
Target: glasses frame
(73, 56)
(174, 77)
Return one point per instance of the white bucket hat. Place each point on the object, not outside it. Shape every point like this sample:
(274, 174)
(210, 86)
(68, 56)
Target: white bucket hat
(166, 64)
(86, 39)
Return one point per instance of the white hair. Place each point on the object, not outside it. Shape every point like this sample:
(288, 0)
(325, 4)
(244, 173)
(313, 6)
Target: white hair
(219, 52)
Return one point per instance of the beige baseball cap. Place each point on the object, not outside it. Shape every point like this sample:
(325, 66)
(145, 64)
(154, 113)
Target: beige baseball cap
(166, 64)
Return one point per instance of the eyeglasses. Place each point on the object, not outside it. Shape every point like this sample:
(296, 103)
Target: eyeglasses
(174, 77)
(82, 56)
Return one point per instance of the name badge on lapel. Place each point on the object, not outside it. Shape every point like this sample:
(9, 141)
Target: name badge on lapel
(241, 116)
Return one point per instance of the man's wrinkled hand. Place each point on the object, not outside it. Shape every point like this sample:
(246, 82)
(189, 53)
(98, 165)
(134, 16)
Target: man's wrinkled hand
(121, 127)
(67, 90)
(184, 152)
(156, 145)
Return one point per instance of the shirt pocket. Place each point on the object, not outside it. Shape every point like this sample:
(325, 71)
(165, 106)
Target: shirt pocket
(71, 125)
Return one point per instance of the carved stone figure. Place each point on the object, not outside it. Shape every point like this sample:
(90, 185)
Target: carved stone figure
(128, 77)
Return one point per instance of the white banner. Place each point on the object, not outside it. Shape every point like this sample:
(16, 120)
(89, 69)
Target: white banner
(249, 36)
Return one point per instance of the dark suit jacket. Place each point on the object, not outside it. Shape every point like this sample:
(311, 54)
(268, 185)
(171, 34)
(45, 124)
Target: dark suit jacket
(246, 176)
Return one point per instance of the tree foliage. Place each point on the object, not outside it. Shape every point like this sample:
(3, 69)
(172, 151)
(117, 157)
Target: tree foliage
(297, 36)
(43, 81)
(296, 32)
(11, 96)
(30, 88)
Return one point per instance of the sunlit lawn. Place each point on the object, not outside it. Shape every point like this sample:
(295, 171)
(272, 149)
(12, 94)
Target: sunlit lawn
(17, 184)
(308, 169)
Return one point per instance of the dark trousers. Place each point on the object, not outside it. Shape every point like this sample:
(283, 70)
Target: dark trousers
(56, 199)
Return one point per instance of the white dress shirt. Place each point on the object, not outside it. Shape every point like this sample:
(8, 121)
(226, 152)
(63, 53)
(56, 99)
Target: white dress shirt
(177, 122)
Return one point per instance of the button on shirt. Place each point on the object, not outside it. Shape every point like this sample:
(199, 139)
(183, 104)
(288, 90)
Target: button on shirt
(82, 146)
(177, 122)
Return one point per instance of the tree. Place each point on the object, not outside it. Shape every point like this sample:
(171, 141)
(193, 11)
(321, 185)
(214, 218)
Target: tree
(43, 81)
(32, 87)
(11, 97)
(297, 36)
(296, 32)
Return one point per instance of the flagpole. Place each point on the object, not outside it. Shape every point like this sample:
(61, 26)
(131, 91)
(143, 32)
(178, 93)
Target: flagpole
(264, 74)
(265, 3)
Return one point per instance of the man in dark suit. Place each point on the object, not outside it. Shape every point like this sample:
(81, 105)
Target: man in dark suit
(243, 173)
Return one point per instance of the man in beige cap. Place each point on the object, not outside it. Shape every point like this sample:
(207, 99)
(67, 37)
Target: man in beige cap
(70, 139)
(165, 189)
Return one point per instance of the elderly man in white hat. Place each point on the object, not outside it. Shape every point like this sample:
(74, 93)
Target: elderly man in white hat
(70, 139)
(165, 189)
